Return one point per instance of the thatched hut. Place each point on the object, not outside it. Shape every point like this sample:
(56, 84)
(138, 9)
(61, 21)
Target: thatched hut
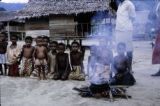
(62, 18)
(12, 25)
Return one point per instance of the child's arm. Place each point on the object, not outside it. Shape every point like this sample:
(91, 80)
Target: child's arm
(114, 70)
(8, 58)
(70, 61)
(46, 53)
(49, 64)
(81, 58)
(67, 70)
(33, 61)
(34, 54)
(56, 65)
(88, 65)
(18, 53)
(82, 51)
(21, 55)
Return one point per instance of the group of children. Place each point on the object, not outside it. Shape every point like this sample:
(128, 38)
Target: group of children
(48, 59)
(44, 60)
(105, 70)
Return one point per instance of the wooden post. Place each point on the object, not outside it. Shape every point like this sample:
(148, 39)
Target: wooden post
(87, 29)
(82, 30)
(80, 42)
(22, 35)
(8, 30)
(76, 28)
(67, 41)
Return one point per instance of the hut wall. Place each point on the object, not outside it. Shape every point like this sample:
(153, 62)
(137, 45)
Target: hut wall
(84, 25)
(62, 26)
(37, 25)
(17, 28)
(35, 33)
(14, 26)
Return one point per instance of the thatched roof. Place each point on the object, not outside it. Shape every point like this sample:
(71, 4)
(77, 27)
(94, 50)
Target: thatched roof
(37, 8)
(7, 16)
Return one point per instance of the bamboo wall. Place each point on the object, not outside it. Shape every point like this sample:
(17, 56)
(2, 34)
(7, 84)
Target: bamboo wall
(37, 27)
(62, 26)
(37, 24)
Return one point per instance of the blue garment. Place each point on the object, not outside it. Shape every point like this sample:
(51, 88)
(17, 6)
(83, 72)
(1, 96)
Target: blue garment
(3, 59)
(99, 74)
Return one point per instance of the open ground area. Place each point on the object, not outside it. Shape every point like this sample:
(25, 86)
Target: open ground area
(31, 92)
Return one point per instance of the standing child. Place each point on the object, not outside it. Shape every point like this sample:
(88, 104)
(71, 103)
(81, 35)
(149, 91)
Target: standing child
(46, 41)
(41, 57)
(46, 44)
(76, 58)
(121, 68)
(126, 16)
(3, 49)
(52, 58)
(13, 52)
(62, 64)
(27, 57)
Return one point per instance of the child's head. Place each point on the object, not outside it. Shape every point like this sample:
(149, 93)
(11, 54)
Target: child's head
(74, 46)
(53, 45)
(61, 47)
(28, 40)
(14, 39)
(45, 40)
(121, 48)
(39, 41)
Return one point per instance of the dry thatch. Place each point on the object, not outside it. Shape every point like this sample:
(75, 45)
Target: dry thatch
(37, 8)
(7, 16)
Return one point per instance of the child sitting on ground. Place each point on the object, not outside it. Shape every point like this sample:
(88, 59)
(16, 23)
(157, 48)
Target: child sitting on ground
(99, 69)
(76, 62)
(121, 68)
(76, 59)
(62, 68)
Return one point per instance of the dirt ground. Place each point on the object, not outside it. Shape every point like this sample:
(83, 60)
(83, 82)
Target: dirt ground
(31, 92)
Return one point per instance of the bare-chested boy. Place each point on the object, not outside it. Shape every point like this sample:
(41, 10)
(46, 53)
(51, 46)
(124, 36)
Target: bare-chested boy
(27, 57)
(46, 41)
(76, 58)
(46, 44)
(62, 64)
(41, 57)
(3, 49)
